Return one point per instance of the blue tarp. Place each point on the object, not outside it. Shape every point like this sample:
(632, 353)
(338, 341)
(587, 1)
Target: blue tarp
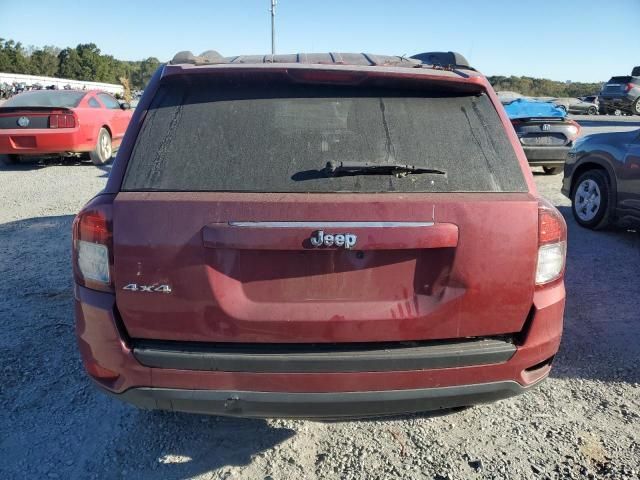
(523, 108)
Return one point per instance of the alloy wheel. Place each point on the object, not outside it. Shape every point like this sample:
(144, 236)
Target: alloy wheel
(587, 200)
(105, 146)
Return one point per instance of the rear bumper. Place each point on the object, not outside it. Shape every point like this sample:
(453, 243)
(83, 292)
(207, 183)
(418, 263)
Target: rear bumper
(612, 103)
(44, 141)
(319, 405)
(393, 389)
(546, 156)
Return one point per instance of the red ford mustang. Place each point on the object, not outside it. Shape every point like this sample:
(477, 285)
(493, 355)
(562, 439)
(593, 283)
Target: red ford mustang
(62, 123)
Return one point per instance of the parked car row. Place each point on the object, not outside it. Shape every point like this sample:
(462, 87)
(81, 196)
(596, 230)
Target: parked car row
(8, 90)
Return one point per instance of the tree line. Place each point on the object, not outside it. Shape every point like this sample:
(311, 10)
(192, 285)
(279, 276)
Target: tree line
(86, 62)
(541, 87)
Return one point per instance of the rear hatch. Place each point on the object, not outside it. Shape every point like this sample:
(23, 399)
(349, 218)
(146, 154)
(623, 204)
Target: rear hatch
(617, 86)
(228, 227)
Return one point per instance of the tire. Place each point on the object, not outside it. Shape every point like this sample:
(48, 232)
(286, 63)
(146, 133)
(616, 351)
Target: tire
(590, 200)
(563, 107)
(10, 159)
(635, 107)
(592, 111)
(104, 149)
(553, 170)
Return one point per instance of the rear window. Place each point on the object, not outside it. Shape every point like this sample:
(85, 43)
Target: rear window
(46, 98)
(206, 135)
(620, 80)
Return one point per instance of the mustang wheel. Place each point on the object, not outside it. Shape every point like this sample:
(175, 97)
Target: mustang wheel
(592, 111)
(590, 200)
(103, 151)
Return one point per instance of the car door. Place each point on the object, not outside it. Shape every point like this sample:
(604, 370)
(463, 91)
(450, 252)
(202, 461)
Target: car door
(119, 118)
(629, 179)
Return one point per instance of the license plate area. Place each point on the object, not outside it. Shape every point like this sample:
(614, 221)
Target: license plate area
(546, 139)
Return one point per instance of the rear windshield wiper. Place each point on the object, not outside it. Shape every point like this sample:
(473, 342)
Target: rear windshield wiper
(335, 169)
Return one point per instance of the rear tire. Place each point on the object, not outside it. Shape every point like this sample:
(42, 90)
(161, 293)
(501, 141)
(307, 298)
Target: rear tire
(590, 200)
(553, 170)
(592, 111)
(635, 107)
(10, 159)
(104, 149)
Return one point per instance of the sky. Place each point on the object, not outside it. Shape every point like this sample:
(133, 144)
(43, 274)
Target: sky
(578, 40)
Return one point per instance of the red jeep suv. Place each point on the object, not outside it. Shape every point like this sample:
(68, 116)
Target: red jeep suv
(318, 235)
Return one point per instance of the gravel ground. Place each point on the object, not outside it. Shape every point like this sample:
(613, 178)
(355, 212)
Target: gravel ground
(583, 422)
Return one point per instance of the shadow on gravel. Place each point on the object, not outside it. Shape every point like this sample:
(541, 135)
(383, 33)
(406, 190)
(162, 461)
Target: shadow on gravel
(52, 420)
(601, 337)
(36, 163)
(178, 445)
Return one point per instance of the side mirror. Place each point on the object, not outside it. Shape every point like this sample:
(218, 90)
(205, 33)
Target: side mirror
(125, 106)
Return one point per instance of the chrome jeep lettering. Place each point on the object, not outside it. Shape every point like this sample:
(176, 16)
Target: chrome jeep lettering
(342, 240)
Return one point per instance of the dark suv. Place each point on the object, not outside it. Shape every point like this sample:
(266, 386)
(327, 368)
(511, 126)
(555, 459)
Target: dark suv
(621, 93)
(318, 235)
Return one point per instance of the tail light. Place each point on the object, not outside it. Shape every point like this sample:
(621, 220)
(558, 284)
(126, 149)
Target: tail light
(574, 129)
(93, 245)
(628, 87)
(62, 120)
(552, 244)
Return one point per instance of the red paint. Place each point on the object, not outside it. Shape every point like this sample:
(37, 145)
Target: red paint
(81, 137)
(100, 342)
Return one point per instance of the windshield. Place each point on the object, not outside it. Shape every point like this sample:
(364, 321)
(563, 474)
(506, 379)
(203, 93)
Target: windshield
(46, 98)
(202, 136)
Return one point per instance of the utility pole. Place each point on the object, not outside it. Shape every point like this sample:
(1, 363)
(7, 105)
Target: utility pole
(273, 26)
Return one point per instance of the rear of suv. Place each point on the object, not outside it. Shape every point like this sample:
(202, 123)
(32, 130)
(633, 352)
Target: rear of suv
(621, 93)
(318, 235)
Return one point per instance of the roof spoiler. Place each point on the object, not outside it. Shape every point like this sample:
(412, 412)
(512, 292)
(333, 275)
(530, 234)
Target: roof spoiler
(443, 59)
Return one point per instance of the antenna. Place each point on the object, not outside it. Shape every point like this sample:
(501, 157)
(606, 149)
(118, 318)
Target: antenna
(273, 26)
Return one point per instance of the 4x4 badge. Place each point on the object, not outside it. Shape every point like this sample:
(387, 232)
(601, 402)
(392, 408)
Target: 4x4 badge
(342, 240)
(134, 287)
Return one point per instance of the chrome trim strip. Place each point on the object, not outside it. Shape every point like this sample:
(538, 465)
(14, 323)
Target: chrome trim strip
(330, 224)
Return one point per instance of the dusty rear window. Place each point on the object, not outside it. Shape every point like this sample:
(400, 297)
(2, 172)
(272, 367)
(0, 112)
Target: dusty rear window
(206, 135)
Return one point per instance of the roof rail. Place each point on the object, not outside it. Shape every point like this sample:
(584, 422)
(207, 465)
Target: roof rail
(210, 56)
(443, 59)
